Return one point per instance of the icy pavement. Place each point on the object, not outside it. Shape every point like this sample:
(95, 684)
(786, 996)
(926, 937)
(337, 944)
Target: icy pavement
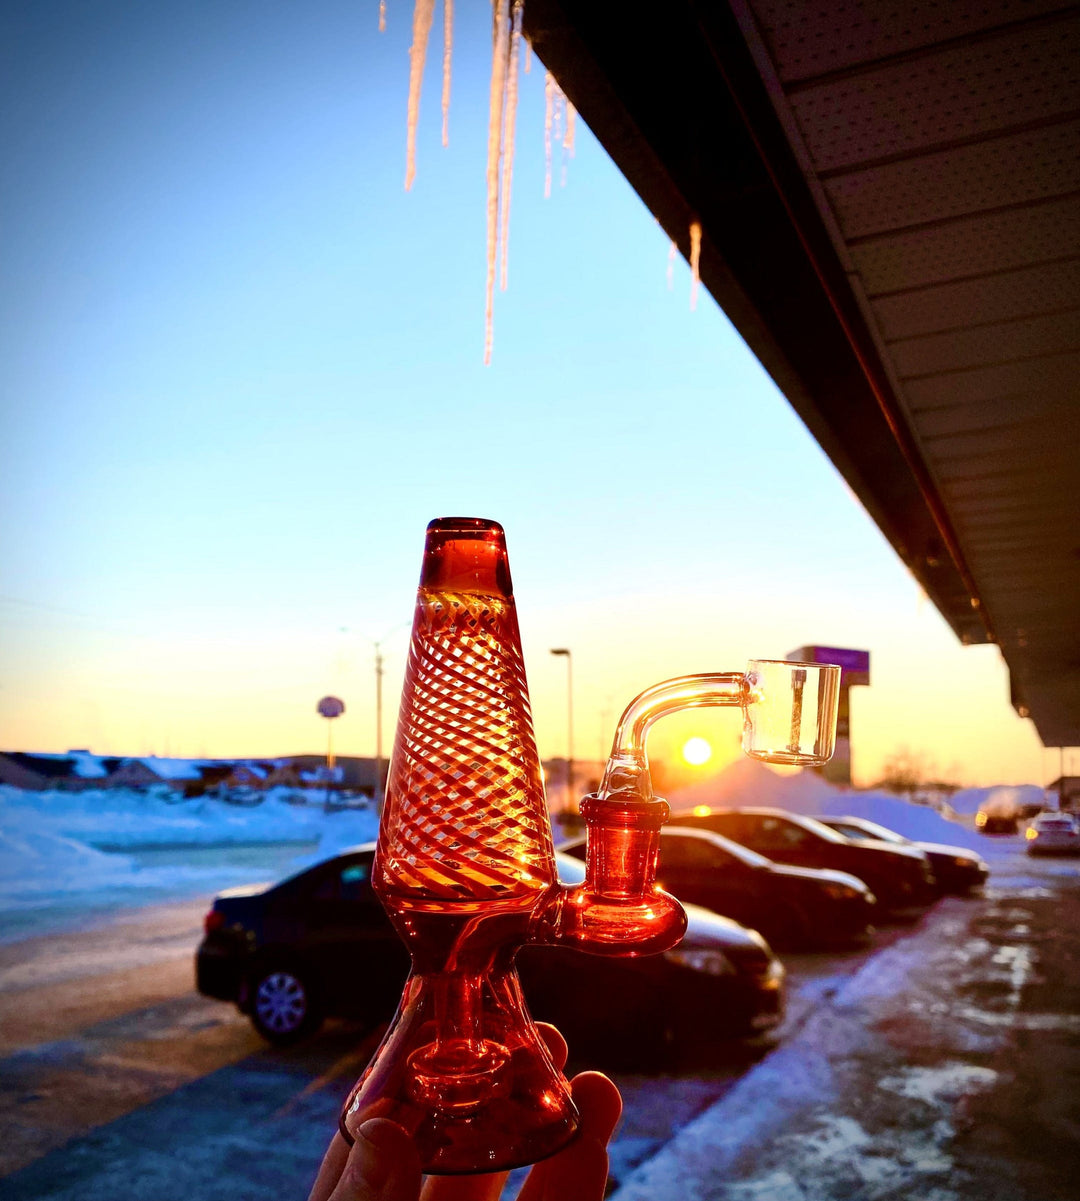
(872, 1097)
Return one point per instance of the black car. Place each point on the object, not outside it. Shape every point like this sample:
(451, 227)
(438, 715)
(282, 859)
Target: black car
(900, 877)
(956, 869)
(794, 907)
(320, 944)
(998, 817)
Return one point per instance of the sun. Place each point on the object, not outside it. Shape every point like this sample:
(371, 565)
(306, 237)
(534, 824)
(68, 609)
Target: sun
(696, 751)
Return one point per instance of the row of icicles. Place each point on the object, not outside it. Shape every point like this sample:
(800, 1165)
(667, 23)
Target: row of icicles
(559, 119)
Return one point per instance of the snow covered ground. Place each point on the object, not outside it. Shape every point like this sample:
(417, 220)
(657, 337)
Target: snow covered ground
(747, 782)
(795, 1117)
(69, 853)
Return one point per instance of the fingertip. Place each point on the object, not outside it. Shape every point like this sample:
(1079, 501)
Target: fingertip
(578, 1173)
(556, 1044)
(599, 1102)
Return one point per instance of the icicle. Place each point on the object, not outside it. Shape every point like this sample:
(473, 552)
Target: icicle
(695, 262)
(671, 266)
(549, 102)
(509, 121)
(499, 55)
(423, 13)
(528, 56)
(448, 42)
(568, 139)
(382, 16)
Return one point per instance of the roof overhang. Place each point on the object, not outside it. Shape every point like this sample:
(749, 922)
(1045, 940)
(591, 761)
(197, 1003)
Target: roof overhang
(890, 218)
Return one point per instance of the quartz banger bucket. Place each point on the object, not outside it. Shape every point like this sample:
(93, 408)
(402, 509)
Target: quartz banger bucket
(466, 870)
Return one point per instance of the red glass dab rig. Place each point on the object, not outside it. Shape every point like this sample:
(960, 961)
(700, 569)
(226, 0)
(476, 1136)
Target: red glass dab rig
(466, 870)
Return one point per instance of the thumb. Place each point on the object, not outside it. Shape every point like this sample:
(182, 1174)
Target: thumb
(383, 1165)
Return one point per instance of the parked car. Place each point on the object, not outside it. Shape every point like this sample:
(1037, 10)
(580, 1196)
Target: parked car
(319, 944)
(900, 877)
(1053, 834)
(956, 869)
(793, 907)
(997, 818)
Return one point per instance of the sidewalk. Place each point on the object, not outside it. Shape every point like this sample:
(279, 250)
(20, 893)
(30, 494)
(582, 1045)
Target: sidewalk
(919, 1079)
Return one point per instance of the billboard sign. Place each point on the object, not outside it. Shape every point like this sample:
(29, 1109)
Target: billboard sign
(854, 665)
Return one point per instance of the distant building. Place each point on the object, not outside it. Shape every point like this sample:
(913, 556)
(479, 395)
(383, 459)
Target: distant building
(71, 772)
(34, 772)
(133, 773)
(285, 775)
(1066, 791)
(351, 772)
(250, 775)
(854, 670)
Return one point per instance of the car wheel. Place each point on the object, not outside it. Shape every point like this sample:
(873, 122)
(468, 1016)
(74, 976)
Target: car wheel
(283, 1007)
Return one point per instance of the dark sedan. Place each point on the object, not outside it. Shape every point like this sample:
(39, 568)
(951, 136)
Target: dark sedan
(319, 944)
(900, 877)
(793, 907)
(956, 869)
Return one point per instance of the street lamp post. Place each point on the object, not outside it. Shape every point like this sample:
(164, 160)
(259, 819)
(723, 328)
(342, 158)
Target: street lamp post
(564, 651)
(377, 794)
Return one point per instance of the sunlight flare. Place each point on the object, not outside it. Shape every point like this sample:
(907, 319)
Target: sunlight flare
(696, 751)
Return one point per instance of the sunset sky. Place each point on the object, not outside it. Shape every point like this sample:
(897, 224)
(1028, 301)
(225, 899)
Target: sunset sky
(244, 368)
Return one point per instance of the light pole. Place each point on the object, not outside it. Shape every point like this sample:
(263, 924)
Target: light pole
(562, 650)
(377, 792)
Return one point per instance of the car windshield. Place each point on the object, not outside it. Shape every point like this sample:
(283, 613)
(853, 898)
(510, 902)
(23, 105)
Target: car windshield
(864, 829)
(722, 845)
(813, 826)
(738, 851)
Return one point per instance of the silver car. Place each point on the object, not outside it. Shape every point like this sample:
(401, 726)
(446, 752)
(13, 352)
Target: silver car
(1053, 834)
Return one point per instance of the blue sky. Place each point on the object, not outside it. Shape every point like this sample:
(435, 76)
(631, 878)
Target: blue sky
(243, 369)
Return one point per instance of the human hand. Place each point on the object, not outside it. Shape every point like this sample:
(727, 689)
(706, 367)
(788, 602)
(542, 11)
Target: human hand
(384, 1165)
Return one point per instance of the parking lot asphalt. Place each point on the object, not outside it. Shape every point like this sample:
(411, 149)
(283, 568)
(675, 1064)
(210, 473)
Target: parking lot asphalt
(940, 1063)
(947, 1067)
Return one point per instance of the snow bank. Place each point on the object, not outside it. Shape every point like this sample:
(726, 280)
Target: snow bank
(748, 783)
(917, 822)
(81, 847)
(92, 847)
(968, 800)
(34, 862)
(119, 819)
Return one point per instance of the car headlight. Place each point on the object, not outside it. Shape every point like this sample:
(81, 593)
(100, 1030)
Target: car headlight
(701, 959)
(1031, 832)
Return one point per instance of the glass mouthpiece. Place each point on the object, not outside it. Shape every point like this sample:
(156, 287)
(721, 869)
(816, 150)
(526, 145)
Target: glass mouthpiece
(466, 554)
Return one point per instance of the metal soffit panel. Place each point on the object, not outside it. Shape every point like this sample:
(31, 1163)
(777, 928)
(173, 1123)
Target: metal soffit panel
(890, 203)
(944, 155)
(819, 37)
